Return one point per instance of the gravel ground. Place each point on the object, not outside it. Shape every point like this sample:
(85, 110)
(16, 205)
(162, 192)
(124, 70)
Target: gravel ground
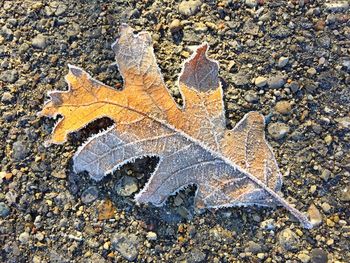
(289, 60)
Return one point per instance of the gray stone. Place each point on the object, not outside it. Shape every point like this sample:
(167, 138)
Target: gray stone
(326, 207)
(310, 86)
(57, 257)
(338, 6)
(250, 43)
(61, 9)
(73, 30)
(281, 32)
(319, 256)
(96, 258)
(24, 238)
(346, 63)
(240, 79)
(4, 210)
(6, 33)
(9, 76)
(89, 195)
(288, 240)
(276, 82)
(196, 255)
(39, 41)
(189, 8)
(278, 130)
(324, 41)
(253, 247)
(282, 62)
(55, 8)
(251, 27)
(251, 97)
(327, 79)
(265, 17)
(20, 150)
(294, 86)
(126, 244)
(126, 186)
(251, 3)
(325, 174)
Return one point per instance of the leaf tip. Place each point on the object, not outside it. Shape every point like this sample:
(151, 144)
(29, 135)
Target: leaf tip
(74, 70)
(200, 72)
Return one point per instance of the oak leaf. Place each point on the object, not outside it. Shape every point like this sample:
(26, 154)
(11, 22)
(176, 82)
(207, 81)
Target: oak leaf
(229, 167)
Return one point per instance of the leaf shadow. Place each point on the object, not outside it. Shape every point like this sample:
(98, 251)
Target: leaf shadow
(164, 220)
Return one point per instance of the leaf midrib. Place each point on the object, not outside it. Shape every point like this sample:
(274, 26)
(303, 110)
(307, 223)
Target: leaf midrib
(301, 217)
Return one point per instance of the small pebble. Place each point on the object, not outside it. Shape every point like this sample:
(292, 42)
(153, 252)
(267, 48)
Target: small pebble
(311, 71)
(151, 235)
(328, 139)
(319, 256)
(288, 239)
(251, 97)
(23, 238)
(282, 62)
(175, 26)
(240, 79)
(330, 223)
(337, 6)
(345, 194)
(314, 215)
(39, 41)
(313, 189)
(326, 207)
(9, 76)
(304, 257)
(189, 8)
(276, 82)
(89, 195)
(4, 210)
(253, 247)
(268, 224)
(20, 150)
(61, 9)
(260, 81)
(283, 107)
(278, 130)
(6, 97)
(39, 236)
(126, 186)
(126, 244)
(325, 174)
(251, 3)
(261, 255)
(343, 123)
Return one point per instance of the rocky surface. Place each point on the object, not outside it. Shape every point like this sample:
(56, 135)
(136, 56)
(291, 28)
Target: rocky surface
(286, 59)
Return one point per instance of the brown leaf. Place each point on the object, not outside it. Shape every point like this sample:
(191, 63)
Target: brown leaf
(229, 167)
(106, 210)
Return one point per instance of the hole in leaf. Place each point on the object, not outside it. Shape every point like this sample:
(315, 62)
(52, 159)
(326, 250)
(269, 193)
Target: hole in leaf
(91, 129)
